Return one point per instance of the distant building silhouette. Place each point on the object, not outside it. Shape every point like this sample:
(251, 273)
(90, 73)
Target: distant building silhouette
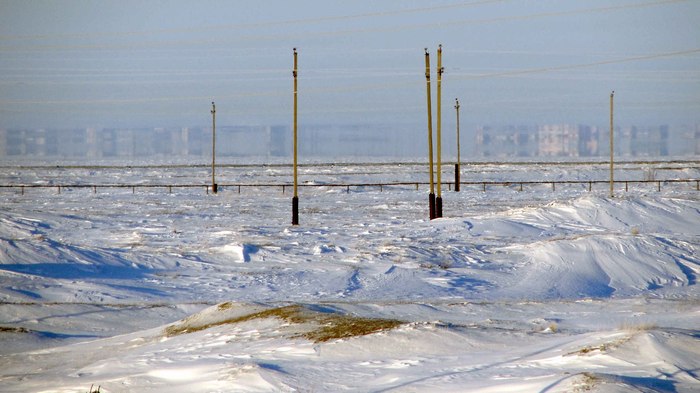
(566, 140)
(338, 141)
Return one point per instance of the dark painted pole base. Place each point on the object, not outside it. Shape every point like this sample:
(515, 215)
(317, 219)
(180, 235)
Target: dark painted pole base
(438, 207)
(431, 199)
(456, 177)
(214, 188)
(295, 210)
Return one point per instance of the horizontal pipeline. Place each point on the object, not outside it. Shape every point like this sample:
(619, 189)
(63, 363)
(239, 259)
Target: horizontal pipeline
(381, 184)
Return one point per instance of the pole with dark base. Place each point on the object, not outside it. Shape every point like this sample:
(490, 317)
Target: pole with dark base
(457, 180)
(438, 200)
(295, 198)
(431, 196)
(459, 161)
(214, 186)
(612, 149)
(295, 210)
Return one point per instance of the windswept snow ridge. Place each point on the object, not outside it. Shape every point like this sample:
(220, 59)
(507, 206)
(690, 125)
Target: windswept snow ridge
(527, 291)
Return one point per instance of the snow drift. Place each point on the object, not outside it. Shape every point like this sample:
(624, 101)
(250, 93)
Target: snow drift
(512, 291)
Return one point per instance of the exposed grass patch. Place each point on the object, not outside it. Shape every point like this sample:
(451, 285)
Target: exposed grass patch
(344, 326)
(323, 326)
(11, 329)
(442, 264)
(588, 382)
(187, 326)
(638, 327)
(224, 306)
(94, 390)
(602, 348)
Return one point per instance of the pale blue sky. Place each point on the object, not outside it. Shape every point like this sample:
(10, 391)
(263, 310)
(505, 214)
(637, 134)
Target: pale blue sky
(161, 63)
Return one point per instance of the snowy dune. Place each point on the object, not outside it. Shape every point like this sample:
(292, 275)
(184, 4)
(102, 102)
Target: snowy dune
(513, 291)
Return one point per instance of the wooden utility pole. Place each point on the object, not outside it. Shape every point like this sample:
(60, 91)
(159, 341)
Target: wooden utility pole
(214, 187)
(459, 161)
(612, 181)
(431, 196)
(438, 200)
(295, 198)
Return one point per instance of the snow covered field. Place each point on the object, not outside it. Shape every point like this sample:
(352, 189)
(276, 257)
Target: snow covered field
(513, 291)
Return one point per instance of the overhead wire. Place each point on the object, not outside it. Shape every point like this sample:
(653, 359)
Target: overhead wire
(329, 33)
(246, 26)
(537, 70)
(374, 86)
(364, 74)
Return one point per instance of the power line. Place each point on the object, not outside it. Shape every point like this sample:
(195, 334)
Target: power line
(581, 65)
(331, 33)
(246, 26)
(357, 87)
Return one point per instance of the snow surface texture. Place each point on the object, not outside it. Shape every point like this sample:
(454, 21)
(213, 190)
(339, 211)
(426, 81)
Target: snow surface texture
(514, 291)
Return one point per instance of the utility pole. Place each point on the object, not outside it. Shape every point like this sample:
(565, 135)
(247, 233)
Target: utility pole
(612, 182)
(459, 161)
(438, 200)
(431, 196)
(295, 198)
(214, 187)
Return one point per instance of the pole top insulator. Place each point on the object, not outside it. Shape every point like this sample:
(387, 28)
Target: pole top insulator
(440, 47)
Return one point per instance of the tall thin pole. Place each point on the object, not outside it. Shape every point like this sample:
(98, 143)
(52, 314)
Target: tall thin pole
(612, 182)
(438, 200)
(459, 160)
(213, 148)
(431, 196)
(295, 198)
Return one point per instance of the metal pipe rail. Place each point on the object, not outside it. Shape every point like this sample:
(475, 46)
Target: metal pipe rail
(690, 162)
(484, 184)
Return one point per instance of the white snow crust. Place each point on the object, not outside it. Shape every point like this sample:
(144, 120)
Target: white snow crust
(539, 290)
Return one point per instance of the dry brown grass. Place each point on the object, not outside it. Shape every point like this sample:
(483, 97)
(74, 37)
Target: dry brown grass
(94, 391)
(638, 327)
(11, 329)
(224, 306)
(334, 326)
(587, 383)
(323, 326)
(602, 348)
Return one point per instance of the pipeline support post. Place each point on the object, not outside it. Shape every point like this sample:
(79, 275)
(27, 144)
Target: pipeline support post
(295, 198)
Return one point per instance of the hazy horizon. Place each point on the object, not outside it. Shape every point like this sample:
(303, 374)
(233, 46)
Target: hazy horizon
(134, 64)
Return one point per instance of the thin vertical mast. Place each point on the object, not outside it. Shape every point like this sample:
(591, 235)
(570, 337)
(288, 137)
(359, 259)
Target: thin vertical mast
(612, 181)
(438, 201)
(430, 135)
(295, 198)
(213, 148)
(459, 159)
